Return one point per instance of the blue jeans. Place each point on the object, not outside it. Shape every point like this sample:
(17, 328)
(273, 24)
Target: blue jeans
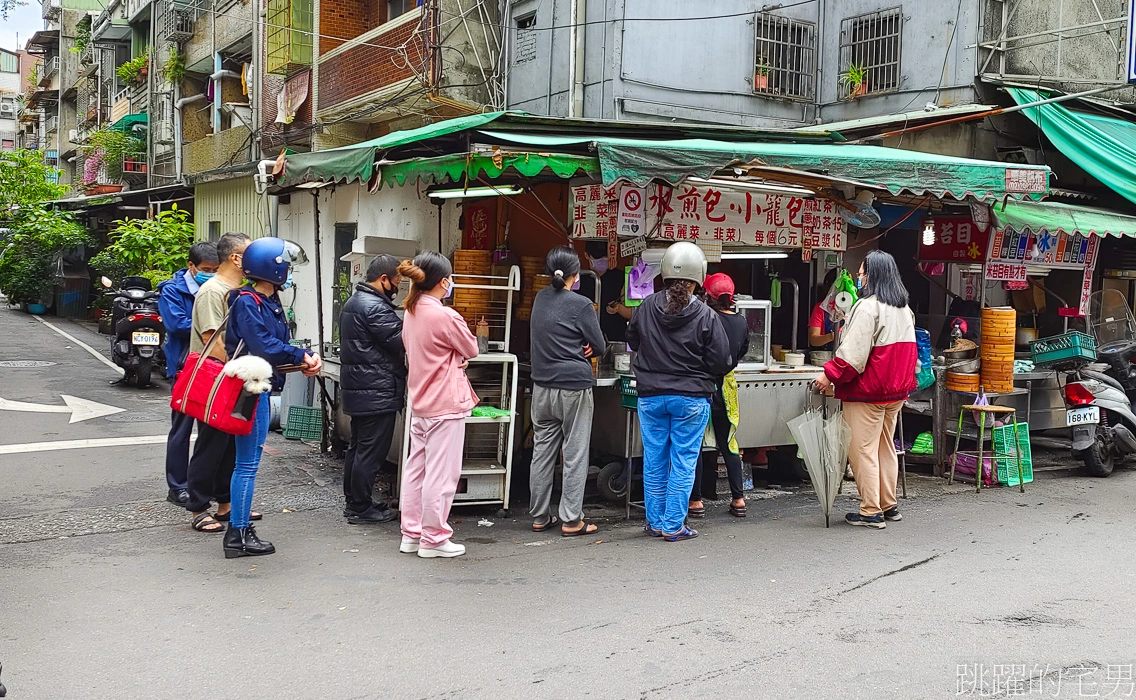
(249, 449)
(672, 428)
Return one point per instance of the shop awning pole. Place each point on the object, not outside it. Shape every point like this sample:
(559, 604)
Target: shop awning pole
(325, 435)
(993, 112)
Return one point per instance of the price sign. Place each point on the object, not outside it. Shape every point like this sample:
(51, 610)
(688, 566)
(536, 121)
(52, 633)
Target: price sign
(1005, 272)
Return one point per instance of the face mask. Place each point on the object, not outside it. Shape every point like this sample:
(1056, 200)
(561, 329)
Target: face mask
(203, 277)
(449, 289)
(288, 283)
(860, 284)
(391, 292)
(599, 265)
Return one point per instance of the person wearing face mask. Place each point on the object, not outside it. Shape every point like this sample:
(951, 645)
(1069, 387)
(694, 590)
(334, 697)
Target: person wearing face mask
(372, 386)
(614, 315)
(175, 304)
(258, 327)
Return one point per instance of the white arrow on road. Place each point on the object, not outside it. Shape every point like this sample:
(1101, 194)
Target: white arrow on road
(80, 409)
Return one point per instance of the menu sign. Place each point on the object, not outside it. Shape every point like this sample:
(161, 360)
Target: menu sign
(595, 211)
(1043, 249)
(1005, 272)
(957, 239)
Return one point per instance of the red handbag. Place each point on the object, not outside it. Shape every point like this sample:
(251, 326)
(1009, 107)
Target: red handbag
(204, 392)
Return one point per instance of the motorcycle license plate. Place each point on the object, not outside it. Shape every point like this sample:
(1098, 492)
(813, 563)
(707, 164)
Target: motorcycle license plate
(144, 338)
(1082, 416)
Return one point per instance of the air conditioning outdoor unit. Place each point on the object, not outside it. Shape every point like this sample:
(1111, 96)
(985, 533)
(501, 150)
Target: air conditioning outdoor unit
(7, 108)
(73, 136)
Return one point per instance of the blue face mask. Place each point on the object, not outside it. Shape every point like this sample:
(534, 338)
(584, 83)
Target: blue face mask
(449, 289)
(860, 285)
(288, 283)
(203, 277)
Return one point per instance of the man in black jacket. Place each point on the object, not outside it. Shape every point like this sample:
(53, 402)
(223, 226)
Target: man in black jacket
(373, 385)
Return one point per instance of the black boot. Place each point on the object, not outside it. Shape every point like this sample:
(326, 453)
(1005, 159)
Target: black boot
(243, 542)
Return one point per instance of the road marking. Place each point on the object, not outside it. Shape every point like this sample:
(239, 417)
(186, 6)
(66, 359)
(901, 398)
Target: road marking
(80, 409)
(28, 447)
(99, 356)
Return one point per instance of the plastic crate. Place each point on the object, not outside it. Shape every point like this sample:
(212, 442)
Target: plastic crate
(1007, 463)
(1067, 347)
(629, 391)
(304, 423)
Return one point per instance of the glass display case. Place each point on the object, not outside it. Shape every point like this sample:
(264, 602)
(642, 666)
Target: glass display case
(758, 315)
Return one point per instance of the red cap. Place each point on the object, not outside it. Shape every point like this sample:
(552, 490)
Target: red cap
(718, 284)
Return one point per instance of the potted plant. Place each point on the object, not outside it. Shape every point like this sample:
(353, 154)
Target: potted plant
(855, 80)
(761, 75)
(174, 70)
(133, 70)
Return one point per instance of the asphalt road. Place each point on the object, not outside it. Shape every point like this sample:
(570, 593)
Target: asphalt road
(106, 592)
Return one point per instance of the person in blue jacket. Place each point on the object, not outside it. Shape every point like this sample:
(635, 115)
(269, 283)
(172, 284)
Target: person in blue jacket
(175, 304)
(258, 326)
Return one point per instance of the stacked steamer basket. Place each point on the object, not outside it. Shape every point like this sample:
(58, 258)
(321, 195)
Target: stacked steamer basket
(531, 267)
(999, 326)
(472, 303)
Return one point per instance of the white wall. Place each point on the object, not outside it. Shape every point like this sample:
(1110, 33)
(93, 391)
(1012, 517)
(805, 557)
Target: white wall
(399, 212)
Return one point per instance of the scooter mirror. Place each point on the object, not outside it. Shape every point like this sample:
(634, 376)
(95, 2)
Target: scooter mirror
(105, 281)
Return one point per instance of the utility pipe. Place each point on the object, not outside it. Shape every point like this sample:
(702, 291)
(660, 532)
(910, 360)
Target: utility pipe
(325, 437)
(577, 57)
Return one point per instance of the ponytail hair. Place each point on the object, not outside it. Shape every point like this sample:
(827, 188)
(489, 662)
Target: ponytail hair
(561, 264)
(425, 272)
(678, 296)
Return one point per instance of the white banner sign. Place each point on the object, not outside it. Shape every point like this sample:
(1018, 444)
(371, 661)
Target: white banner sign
(595, 211)
(632, 211)
(633, 247)
(1005, 272)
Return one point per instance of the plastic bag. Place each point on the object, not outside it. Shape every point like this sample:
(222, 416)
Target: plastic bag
(845, 285)
(640, 281)
(924, 375)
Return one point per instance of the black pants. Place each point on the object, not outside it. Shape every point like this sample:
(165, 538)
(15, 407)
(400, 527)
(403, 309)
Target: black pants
(210, 468)
(706, 479)
(177, 450)
(370, 441)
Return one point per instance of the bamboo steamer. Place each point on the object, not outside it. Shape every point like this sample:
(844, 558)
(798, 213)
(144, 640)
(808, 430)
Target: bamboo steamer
(999, 330)
(963, 381)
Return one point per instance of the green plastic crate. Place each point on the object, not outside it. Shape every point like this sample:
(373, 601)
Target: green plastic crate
(1066, 347)
(629, 391)
(304, 423)
(1004, 449)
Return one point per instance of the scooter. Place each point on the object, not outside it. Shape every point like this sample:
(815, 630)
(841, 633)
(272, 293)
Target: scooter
(137, 329)
(1100, 404)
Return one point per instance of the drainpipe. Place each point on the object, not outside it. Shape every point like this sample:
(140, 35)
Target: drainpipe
(216, 76)
(179, 103)
(576, 57)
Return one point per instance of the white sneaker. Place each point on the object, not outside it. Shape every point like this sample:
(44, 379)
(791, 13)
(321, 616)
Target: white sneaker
(408, 546)
(449, 549)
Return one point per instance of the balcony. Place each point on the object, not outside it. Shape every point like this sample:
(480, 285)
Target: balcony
(49, 71)
(51, 9)
(111, 25)
(120, 107)
(134, 168)
(230, 147)
(51, 126)
(289, 36)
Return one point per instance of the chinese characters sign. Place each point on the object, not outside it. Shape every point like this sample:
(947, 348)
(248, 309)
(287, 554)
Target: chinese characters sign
(701, 213)
(1044, 248)
(957, 239)
(1005, 272)
(478, 234)
(1027, 180)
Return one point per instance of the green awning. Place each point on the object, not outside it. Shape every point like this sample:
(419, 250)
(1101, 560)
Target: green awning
(357, 161)
(1056, 217)
(451, 168)
(898, 171)
(1102, 146)
(127, 123)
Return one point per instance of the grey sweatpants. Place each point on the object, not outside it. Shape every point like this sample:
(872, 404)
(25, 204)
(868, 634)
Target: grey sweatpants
(562, 420)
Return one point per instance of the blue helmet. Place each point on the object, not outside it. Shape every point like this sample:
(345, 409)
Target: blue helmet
(269, 259)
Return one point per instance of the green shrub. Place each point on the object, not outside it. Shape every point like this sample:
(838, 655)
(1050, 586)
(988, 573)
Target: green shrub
(27, 260)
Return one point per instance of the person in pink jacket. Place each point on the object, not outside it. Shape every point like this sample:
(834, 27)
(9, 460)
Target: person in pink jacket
(438, 345)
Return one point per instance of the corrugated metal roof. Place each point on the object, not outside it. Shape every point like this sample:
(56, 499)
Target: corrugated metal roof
(886, 122)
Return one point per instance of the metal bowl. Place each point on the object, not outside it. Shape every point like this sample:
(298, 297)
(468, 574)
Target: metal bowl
(964, 366)
(961, 354)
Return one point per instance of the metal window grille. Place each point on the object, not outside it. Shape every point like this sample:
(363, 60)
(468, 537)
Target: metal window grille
(871, 42)
(785, 62)
(289, 36)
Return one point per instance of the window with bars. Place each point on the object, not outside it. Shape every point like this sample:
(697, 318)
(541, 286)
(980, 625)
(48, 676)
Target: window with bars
(869, 53)
(401, 7)
(785, 59)
(288, 36)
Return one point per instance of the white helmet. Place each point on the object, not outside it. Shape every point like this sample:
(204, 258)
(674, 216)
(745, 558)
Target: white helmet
(684, 261)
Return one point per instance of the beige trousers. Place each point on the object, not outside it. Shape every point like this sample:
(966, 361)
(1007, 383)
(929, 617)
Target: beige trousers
(872, 453)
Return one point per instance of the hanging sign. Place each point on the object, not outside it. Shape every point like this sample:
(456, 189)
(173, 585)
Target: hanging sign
(1026, 180)
(957, 239)
(1086, 291)
(478, 220)
(1005, 272)
(980, 214)
(970, 286)
(633, 247)
(694, 213)
(632, 211)
(595, 211)
(1045, 249)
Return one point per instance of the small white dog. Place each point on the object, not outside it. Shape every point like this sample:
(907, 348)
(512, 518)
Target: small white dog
(255, 371)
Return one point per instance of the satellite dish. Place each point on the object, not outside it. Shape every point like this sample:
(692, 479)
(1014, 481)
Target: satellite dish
(859, 211)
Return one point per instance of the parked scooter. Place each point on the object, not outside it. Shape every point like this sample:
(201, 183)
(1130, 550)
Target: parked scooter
(1100, 403)
(137, 332)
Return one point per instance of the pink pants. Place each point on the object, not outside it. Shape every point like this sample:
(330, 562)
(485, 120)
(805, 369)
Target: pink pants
(430, 478)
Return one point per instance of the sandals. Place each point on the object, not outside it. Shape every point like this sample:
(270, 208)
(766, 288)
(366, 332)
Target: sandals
(685, 533)
(737, 511)
(548, 524)
(224, 517)
(586, 528)
(202, 522)
(699, 512)
(652, 531)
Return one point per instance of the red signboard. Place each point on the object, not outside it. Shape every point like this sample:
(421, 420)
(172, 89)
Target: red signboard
(957, 239)
(479, 231)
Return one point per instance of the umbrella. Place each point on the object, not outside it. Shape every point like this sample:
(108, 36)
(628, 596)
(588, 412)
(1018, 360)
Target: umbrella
(822, 443)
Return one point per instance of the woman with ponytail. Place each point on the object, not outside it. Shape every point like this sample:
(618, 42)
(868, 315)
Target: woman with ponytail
(565, 334)
(438, 344)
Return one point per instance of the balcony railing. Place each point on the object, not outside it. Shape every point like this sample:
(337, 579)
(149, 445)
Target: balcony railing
(51, 9)
(52, 125)
(50, 69)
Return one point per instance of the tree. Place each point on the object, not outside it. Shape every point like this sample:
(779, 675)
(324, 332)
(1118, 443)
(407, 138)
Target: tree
(7, 7)
(153, 248)
(28, 256)
(25, 181)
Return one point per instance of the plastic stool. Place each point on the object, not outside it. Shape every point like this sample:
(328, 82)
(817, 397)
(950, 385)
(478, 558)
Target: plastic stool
(984, 411)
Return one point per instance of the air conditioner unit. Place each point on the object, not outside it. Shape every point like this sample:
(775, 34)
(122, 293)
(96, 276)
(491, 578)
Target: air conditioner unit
(7, 108)
(73, 136)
